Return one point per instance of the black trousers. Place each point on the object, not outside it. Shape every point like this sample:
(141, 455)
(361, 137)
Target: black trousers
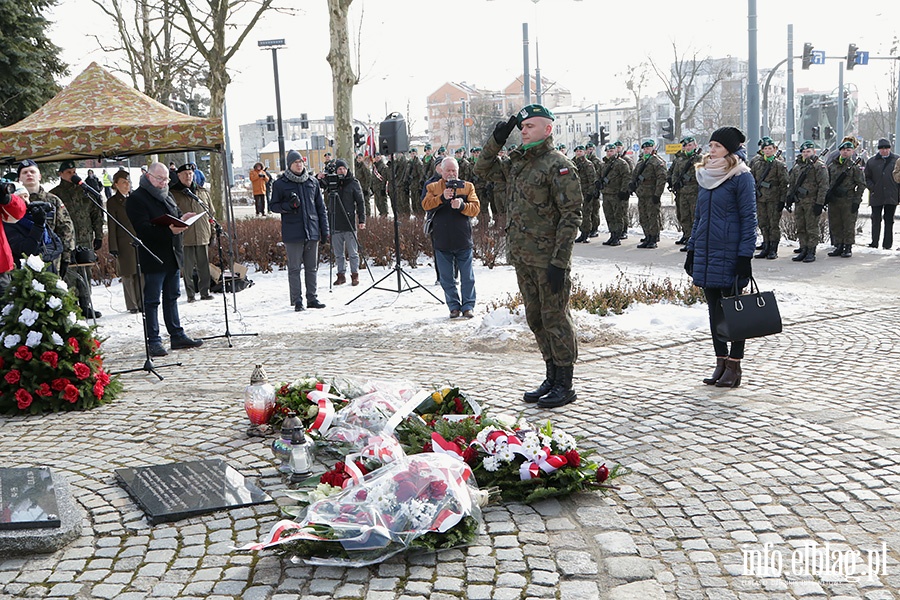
(889, 210)
(713, 295)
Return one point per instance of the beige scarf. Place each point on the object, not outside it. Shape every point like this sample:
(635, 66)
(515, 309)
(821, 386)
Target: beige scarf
(716, 172)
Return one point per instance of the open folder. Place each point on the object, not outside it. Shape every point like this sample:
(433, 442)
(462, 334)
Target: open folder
(166, 220)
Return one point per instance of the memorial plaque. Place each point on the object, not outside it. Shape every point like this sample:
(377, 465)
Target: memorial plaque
(179, 490)
(27, 499)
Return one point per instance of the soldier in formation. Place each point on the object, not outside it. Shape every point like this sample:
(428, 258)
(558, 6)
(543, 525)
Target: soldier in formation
(587, 176)
(807, 185)
(397, 188)
(363, 175)
(415, 179)
(771, 176)
(843, 199)
(682, 181)
(648, 180)
(379, 184)
(614, 177)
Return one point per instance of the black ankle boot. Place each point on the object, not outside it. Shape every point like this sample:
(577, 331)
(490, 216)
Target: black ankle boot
(546, 385)
(561, 393)
(800, 255)
(773, 251)
(717, 373)
(764, 251)
(848, 252)
(838, 250)
(581, 238)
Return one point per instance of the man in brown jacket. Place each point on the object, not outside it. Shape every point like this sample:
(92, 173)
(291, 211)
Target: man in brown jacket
(193, 199)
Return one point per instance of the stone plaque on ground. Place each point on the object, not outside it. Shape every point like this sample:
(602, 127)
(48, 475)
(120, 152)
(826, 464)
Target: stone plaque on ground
(27, 499)
(179, 490)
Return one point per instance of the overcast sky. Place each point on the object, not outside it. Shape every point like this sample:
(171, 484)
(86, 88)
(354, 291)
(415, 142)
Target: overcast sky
(410, 47)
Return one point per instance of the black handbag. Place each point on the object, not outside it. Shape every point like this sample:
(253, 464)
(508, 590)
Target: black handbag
(746, 316)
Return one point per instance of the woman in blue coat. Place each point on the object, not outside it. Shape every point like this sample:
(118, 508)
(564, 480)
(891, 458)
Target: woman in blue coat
(722, 240)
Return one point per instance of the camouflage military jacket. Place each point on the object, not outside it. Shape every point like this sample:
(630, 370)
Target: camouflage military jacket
(614, 175)
(682, 176)
(544, 202)
(466, 169)
(597, 162)
(61, 223)
(86, 216)
(774, 187)
(649, 180)
(379, 168)
(853, 183)
(815, 184)
(364, 175)
(587, 175)
(414, 174)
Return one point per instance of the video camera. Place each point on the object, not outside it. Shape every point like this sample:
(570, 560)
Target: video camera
(332, 181)
(455, 184)
(44, 208)
(6, 191)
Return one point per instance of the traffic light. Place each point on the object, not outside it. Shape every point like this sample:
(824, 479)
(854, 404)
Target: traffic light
(851, 57)
(829, 132)
(669, 129)
(595, 138)
(604, 137)
(270, 123)
(359, 138)
(304, 121)
(815, 133)
(807, 55)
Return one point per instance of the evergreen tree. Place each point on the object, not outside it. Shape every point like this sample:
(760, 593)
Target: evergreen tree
(29, 61)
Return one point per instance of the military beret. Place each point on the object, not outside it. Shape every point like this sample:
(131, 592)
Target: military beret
(534, 110)
(807, 144)
(610, 147)
(428, 146)
(617, 143)
(847, 144)
(185, 167)
(25, 163)
(413, 151)
(476, 149)
(66, 165)
(441, 150)
(561, 147)
(687, 140)
(579, 147)
(648, 144)
(590, 145)
(767, 141)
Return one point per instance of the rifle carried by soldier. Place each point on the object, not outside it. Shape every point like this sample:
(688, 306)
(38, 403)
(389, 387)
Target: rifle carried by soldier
(638, 177)
(829, 195)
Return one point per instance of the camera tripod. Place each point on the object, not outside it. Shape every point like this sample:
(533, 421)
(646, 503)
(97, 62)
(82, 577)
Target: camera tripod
(334, 199)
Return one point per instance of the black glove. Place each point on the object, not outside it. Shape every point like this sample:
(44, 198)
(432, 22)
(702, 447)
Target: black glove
(97, 244)
(114, 253)
(502, 130)
(38, 216)
(818, 208)
(295, 201)
(689, 263)
(854, 208)
(556, 277)
(743, 267)
(623, 196)
(657, 199)
(63, 267)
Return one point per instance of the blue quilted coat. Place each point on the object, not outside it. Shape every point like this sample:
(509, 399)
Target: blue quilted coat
(724, 228)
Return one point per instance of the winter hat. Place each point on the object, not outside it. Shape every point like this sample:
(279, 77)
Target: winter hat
(730, 137)
(884, 143)
(291, 157)
(341, 163)
(120, 175)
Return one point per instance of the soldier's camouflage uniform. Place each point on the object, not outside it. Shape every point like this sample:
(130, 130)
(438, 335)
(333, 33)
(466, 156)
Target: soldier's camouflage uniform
(87, 223)
(682, 179)
(415, 172)
(501, 189)
(379, 186)
(648, 183)
(363, 174)
(397, 189)
(770, 193)
(598, 164)
(614, 176)
(543, 217)
(806, 195)
(587, 176)
(843, 198)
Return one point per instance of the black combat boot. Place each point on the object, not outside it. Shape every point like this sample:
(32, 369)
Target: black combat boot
(644, 242)
(623, 235)
(761, 246)
(773, 251)
(801, 254)
(546, 385)
(583, 237)
(561, 393)
(614, 239)
(810, 255)
(838, 250)
(612, 236)
(847, 253)
(764, 251)
(798, 250)
(650, 243)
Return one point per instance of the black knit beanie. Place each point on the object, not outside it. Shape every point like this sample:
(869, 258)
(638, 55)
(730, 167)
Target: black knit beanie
(730, 137)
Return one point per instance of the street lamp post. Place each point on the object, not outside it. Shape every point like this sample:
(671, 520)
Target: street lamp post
(275, 45)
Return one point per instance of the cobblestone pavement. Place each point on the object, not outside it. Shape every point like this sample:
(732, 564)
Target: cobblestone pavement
(805, 451)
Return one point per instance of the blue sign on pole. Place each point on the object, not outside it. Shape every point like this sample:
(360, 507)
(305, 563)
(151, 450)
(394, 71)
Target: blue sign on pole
(862, 57)
(818, 57)
(635, 147)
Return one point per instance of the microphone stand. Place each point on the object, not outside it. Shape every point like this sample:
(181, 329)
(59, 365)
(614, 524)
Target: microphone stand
(218, 229)
(136, 243)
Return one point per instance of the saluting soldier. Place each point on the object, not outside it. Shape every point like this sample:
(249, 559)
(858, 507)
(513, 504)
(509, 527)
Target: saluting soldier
(614, 178)
(682, 180)
(415, 178)
(807, 185)
(771, 177)
(544, 214)
(648, 180)
(843, 199)
(587, 175)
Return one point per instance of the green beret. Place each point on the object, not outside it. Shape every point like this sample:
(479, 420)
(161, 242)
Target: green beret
(590, 145)
(441, 150)
(617, 143)
(413, 150)
(611, 146)
(767, 141)
(534, 110)
(687, 140)
(428, 146)
(648, 144)
(579, 147)
(847, 144)
(561, 147)
(476, 149)
(807, 144)
(66, 165)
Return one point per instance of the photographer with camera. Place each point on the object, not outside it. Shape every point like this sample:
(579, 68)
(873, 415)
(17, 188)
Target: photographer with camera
(58, 220)
(347, 213)
(454, 203)
(29, 235)
(304, 221)
(12, 208)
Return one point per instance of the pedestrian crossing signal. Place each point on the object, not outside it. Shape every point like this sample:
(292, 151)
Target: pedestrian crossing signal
(604, 137)
(807, 55)
(668, 130)
(359, 138)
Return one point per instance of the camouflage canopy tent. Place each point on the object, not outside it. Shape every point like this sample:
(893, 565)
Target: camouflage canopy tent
(99, 116)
